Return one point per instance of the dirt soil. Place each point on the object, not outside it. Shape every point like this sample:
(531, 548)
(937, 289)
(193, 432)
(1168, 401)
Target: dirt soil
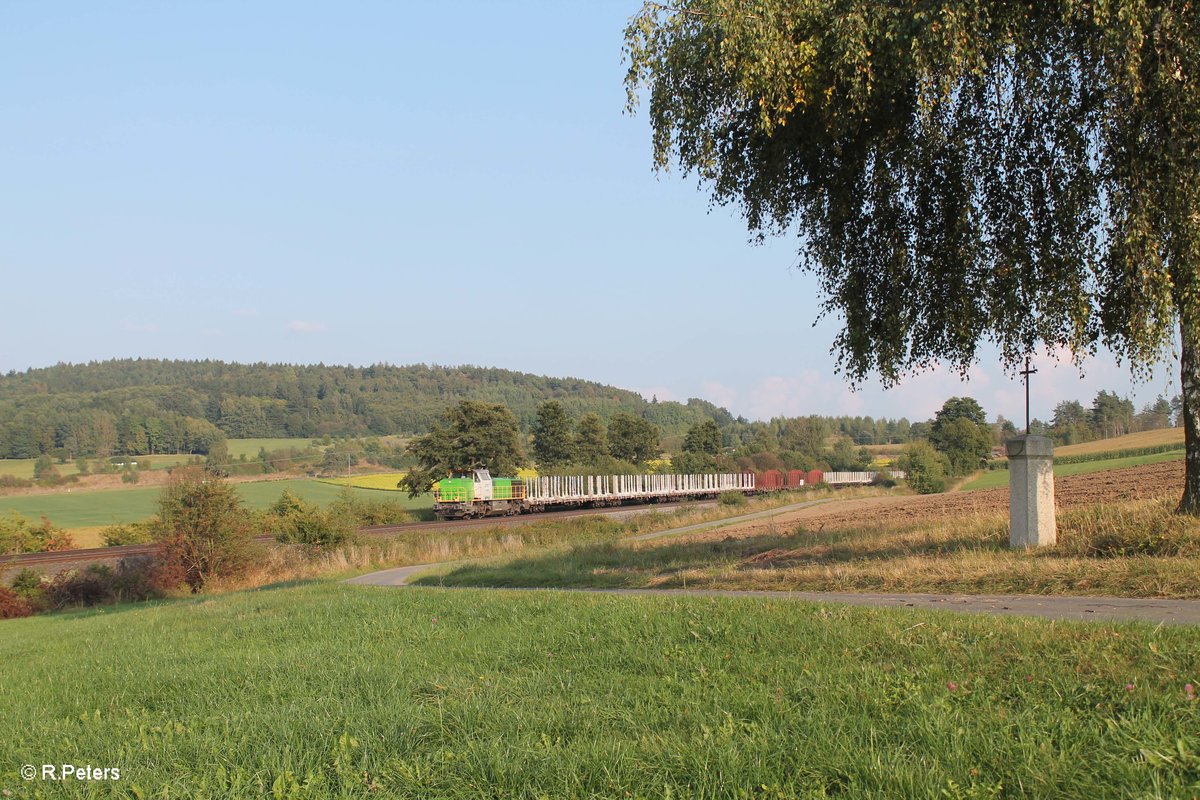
(1145, 482)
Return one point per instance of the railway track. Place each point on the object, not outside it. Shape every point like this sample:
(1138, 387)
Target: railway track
(90, 554)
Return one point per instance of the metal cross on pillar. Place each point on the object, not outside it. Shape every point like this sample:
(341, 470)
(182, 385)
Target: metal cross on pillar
(1027, 372)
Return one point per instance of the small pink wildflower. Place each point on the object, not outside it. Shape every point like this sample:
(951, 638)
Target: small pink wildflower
(1029, 679)
(433, 621)
(952, 686)
(1129, 687)
(1189, 691)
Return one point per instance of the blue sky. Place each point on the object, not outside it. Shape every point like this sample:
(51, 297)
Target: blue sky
(368, 182)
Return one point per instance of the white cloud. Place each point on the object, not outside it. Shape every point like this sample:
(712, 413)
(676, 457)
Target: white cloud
(809, 392)
(306, 326)
(720, 394)
(661, 392)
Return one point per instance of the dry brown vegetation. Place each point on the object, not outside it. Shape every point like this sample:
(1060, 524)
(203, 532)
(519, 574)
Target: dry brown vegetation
(1129, 441)
(284, 563)
(1118, 535)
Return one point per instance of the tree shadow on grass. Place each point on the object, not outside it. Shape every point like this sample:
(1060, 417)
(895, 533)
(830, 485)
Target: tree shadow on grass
(616, 565)
(292, 583)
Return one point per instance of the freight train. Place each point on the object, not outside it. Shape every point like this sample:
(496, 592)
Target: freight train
(478, 494)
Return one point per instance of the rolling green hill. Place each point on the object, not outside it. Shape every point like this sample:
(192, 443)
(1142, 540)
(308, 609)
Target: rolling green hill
(141, 406)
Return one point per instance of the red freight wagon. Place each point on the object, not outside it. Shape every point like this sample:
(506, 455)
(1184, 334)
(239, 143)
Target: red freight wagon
(814, 477)
(796, 478)
(769, 481)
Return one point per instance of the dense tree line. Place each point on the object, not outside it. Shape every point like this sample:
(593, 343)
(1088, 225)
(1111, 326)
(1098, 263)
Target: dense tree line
(137, 406)
(134, 407)
(1109, 415)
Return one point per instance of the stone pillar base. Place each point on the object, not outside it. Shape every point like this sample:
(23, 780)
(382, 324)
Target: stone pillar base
(1031, 489)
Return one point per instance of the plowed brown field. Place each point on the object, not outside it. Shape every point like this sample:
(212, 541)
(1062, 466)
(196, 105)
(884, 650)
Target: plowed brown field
(1143, 482)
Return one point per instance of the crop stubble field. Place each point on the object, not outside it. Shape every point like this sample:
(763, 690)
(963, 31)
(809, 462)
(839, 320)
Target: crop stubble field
(1117, 536)
(993, 479)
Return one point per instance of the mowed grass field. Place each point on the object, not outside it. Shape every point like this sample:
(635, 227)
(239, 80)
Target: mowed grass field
(250, 447)
(87, 509)
(23, 467)
(327, 690)
(998, 478)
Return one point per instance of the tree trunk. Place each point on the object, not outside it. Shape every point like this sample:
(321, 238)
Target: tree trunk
(1189, 368)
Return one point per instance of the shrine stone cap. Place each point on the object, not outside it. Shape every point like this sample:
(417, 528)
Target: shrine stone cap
(1031, 445)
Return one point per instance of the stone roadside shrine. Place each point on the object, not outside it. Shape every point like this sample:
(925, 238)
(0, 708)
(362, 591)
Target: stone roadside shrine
(1031, 518)
(1031, 492)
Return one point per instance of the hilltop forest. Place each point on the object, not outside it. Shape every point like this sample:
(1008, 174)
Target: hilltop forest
(139, 406)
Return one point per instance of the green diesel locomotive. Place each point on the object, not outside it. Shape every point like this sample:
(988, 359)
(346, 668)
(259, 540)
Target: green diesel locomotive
(477, 494)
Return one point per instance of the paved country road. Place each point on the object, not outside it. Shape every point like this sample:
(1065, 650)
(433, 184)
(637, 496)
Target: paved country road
(1087, 609)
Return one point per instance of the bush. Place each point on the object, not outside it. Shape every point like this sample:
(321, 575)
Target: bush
(883, 479)
(12, 605)
(925, 468)
(132, 579)
(360, 512)
(131, 475)
(27, 581)
(131, 533)
(44, 469)
(19, 535)
(288, 503)
(732, 499)
(315, 527)
(31, 586)
(204, 530)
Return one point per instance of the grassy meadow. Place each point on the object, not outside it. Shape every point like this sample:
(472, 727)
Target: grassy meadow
(250, 447)
(998, 478)
(328, 690)
(23, 467)
(81, 509)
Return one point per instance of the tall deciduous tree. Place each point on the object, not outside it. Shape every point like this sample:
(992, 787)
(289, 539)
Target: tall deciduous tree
(591, 440)
(472, 435)
(632, 438)
(961, 432)
(553, 440)
(701, 447)
(703, 437)
(1025, 173)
